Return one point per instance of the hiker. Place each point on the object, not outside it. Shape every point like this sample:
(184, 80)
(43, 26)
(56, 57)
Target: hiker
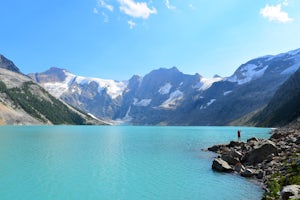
(239, 134)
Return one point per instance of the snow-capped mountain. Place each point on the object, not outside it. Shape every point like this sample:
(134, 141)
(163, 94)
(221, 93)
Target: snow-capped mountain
(100, 97)
(159, 91)
(23, 102)
(285, 63)
(250, 88)
(58, 81)
(167, 96)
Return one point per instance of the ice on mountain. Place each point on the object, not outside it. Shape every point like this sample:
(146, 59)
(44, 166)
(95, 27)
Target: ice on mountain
(173, 101)
(165, 89)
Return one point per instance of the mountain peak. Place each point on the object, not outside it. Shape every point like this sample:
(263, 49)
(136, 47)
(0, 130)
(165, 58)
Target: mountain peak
(53, 74)
(55, 70)
(7, 64)
(284, 63)
(217, 76)
(174, 69)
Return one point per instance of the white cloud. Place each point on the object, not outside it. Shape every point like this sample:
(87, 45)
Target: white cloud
(131, 24)
(169, 6)
(105, 17)
(136, 9)
(274, 13)
(95, 11)
(285, 3)
(102, 3)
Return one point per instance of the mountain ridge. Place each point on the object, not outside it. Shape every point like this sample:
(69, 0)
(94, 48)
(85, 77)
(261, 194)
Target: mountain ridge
(23, 102)
(170, 97)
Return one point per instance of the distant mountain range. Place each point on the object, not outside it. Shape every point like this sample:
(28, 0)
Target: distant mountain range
(23, 102)
(169, 97)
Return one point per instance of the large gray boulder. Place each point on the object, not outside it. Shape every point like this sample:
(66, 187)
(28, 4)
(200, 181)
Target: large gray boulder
(217, 148)
(290, 192)
(260, 152)
(221, 166)
(248, 173)
(232, 157)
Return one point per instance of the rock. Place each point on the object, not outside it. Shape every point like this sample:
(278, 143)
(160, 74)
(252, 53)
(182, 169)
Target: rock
(298, 141)
(277, 135)
(236, 154)
(232, 157)
(216, 148)
(290, 192)
(221, 166)
(229, 159)
(254, 139)
(270, 157)
(235, 144)
(260, 153)
(260, 174)
(239, 167)
(247, 173)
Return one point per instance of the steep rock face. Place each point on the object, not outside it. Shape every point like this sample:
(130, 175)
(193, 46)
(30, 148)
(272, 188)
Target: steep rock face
(7, 64)
(284, 107)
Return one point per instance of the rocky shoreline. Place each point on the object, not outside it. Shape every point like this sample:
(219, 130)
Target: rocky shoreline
(273, 162)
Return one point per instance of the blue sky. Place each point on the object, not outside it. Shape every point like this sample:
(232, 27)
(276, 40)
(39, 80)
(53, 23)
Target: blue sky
(118, 38)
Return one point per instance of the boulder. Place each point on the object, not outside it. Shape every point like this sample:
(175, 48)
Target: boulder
(216, 148)
(239, 168)
(236, 154)
(290, 192)
(278, 134)
(253, 139)
(221, 166)
(232, 157)
(298, 141)
(260, 174)
(247, 173)
(260, 153)
(235, 144)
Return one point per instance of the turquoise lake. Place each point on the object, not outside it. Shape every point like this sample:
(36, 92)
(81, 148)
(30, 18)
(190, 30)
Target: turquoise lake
(118, 163)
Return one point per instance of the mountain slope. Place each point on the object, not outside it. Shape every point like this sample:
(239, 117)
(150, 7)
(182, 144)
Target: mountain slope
(99, 97)
(250, 88)
(24, 102)
(7, 64)
(169, 97)
(284, 107)
(152, 99)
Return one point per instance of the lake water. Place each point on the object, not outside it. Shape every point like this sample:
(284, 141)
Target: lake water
(118, 162)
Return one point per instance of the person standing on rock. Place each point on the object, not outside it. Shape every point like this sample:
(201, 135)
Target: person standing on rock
(239, 135)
